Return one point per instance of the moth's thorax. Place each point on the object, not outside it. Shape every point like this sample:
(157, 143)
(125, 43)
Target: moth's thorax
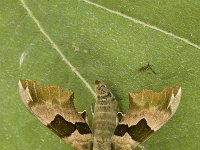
(105, 112)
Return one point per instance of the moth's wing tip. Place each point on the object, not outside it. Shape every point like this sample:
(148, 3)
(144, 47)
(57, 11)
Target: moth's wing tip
(20, 84)
(22, 88)
(175, 100)
(178, 95)
(24, 93)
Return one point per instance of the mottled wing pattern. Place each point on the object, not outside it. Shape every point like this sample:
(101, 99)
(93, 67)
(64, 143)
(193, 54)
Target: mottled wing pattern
(148, 111)
(55, 109)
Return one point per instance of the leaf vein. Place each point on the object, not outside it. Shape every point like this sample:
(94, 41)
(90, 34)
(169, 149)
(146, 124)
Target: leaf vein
(143, 23)
(55, 46)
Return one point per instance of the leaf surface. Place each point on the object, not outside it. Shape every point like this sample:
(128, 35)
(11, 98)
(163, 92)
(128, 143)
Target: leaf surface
(101, 40)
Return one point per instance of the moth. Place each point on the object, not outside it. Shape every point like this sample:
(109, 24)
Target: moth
(111, 130)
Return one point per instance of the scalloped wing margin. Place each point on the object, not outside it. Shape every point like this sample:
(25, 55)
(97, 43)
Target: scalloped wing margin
(55, 109)
(148, 112)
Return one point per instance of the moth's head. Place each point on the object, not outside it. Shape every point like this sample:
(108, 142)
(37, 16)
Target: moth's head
(100, 88)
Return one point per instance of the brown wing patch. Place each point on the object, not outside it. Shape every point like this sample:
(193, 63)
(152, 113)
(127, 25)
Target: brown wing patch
(61, 127)
(148, 112)
(55, 109)
(64, 128)
(138, 132)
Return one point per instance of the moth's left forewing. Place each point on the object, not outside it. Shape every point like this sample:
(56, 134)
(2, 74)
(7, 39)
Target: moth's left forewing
(55, 109)
(148, 111)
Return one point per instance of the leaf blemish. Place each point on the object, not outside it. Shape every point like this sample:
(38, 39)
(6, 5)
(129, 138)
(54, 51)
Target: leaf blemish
(147, 67)
(22, 58)
(75, 47)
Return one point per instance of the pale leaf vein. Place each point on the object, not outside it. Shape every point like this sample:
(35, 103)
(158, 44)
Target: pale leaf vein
(142, 23)
(55, 46)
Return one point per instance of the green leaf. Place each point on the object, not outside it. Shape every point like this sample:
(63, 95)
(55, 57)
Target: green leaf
(105, 40)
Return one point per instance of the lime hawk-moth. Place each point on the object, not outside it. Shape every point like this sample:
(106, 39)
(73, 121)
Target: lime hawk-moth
(111, 130)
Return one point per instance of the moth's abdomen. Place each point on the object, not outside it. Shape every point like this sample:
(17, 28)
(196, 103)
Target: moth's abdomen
(104, 123)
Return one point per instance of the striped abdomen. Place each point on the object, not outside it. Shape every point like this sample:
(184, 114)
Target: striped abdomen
(105, 112)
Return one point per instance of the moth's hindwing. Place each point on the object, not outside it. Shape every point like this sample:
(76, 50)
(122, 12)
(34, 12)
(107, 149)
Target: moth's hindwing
(55, 109)
(148, 112)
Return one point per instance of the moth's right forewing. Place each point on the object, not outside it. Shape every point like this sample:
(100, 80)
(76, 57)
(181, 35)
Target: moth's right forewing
(148, 112)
